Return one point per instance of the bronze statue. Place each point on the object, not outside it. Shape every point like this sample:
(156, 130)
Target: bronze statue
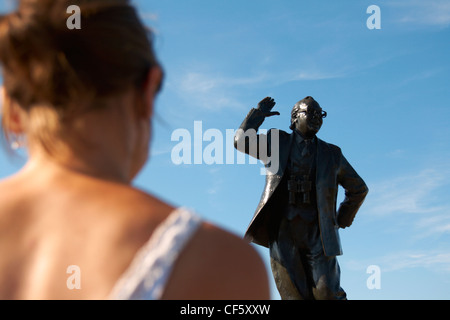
(296, 217)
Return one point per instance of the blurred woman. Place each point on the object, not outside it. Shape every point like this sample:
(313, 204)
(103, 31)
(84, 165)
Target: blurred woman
(71, 224)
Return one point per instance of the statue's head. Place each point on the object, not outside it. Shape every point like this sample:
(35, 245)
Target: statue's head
(306, 117)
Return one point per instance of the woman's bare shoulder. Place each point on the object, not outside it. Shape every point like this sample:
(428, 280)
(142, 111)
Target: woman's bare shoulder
(216, 265)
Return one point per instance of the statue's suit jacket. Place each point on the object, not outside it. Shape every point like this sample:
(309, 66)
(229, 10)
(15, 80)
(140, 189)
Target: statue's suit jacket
(332, 170)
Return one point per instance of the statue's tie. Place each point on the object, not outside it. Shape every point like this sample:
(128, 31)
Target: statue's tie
(306, 148)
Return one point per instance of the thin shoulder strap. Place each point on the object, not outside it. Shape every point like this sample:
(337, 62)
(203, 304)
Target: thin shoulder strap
(149, 271)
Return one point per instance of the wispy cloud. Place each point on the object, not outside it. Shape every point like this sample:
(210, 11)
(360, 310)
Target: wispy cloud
(317, 75)
(217, 91)
(408, 194)
(214, 92)
(162, 151)
(418, 12)
(420, 196)
(434, 225)
(416, 208)
(439, 260)
(436, 260)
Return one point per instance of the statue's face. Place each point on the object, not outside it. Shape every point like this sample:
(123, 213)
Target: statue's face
(309, 119)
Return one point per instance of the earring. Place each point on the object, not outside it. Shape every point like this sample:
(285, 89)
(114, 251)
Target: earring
(15, 145)
(18, 143)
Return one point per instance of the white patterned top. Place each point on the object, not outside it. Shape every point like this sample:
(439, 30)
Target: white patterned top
(148, 273)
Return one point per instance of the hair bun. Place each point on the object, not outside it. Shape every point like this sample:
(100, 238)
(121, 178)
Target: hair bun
(46, 62)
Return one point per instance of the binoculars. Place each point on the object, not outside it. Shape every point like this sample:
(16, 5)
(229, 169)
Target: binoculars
(299, 187)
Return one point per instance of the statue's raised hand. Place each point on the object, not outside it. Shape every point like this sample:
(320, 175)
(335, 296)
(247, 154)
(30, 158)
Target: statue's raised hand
(266, 105)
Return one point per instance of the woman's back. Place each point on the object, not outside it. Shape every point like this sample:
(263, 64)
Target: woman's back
(52, 220)
(81, 101)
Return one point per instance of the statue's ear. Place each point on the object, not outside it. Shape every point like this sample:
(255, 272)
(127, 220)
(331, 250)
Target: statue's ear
(293, 122)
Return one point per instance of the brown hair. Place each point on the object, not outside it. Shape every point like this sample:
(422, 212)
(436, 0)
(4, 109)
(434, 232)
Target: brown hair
(47, 64)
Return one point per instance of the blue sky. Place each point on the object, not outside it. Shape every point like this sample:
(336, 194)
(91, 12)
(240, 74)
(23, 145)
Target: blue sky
(387, 96)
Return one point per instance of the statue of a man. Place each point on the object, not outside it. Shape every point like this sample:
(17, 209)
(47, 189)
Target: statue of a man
(296, 217)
